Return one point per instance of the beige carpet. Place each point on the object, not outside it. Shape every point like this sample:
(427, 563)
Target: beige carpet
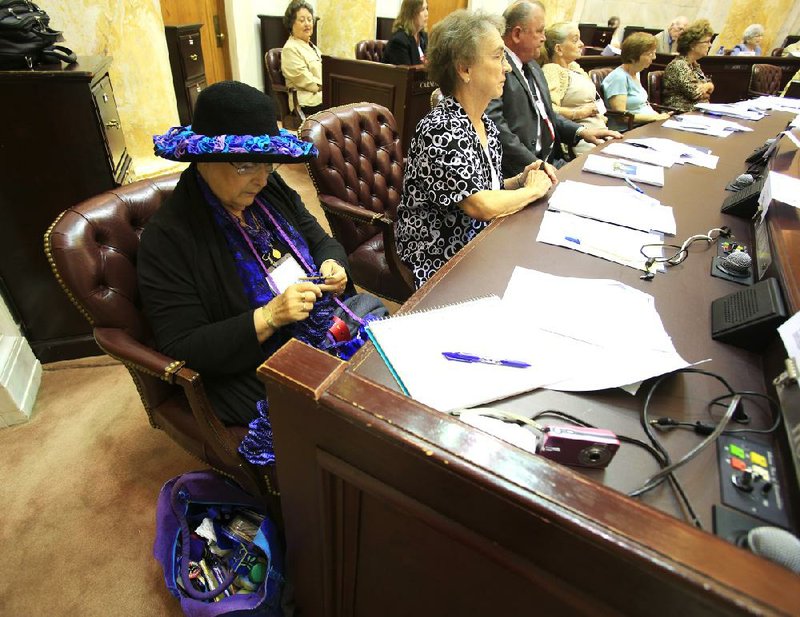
(79, 488)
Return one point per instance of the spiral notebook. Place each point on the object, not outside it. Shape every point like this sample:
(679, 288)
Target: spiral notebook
(412, 345)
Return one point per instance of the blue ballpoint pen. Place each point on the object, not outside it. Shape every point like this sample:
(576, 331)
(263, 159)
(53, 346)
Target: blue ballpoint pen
(473, 359)
(630, 183)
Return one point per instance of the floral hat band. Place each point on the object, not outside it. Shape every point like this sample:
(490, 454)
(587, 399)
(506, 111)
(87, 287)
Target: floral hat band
(183, 144)
(233, 122)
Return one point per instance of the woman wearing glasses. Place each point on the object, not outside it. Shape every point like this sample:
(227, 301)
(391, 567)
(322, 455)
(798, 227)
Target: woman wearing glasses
(221, 263)
(684, 81)
(301, 62)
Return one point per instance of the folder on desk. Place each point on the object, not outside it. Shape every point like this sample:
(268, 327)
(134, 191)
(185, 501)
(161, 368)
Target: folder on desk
(411, 345)
(618, 168)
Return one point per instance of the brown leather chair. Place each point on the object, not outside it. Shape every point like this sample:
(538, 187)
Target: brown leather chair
(765, 80)
(359, 176)
(778, 52)
(291, 116)
(371, 50)
(92, 250)
(597, 76)
(655, 91)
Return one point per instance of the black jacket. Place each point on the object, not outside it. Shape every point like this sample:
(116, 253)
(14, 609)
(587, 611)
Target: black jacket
(193, 297)
(402, 48)
(515, 117)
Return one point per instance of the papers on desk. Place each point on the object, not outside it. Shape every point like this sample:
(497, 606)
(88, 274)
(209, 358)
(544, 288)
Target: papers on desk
(617, 168)
(796, 122)
(717, 127)
(620, 205)
(611, 334)
(779, 187)
(683, 153)
(742, 110)
(790, 335)
(412, 346)
(640, 152)
(577, 334)
(618, 244)
(779, 103)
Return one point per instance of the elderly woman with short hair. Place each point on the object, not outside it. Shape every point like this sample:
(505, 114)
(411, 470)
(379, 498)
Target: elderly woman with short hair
(622, 89)
(571, 90)
(409, 39)
(301, 61)
(453, 185)
(751, 41)
(684, 81)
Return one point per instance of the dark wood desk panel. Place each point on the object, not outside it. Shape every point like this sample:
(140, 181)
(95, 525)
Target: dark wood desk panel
(683, 297)
(731, 74)
(394, 509)
(404, 90)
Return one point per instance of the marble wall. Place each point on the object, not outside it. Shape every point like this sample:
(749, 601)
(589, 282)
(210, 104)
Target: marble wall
(132, 32)
(343, 24)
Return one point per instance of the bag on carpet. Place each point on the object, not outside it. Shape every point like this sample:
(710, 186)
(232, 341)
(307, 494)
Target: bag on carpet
(219, 552)
(26, 38)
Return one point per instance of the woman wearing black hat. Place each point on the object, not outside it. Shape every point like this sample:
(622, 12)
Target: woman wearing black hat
(220, 264)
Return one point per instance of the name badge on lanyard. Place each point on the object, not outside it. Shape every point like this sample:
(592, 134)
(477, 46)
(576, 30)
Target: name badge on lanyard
(601, 106)
(543, 115)
(284, 273)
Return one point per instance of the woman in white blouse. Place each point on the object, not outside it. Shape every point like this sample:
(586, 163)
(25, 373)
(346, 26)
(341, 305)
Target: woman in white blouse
(571, 89)
(301, 61)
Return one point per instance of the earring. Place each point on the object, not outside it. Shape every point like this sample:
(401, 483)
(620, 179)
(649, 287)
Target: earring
(466, 79)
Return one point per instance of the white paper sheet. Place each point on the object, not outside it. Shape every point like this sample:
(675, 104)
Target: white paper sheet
(682, 153)
(611, 332)
(620, 205)
(618, 168)
(742, 110)
(642, 154)
(779, 187)
(790, 335)
(618, 244)
(716, 127)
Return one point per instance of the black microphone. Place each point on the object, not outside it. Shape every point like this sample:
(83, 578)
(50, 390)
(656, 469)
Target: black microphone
(740, 182)
(737, 263)
(775, 544)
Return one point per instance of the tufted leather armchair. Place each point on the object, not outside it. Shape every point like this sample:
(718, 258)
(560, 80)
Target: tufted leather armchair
(291, 116)
(370, 50)
(765, 80)
(655, 91)
(359, 176)
(92, 250)
(597, 76)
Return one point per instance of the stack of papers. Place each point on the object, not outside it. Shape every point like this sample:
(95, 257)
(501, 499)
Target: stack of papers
(575, 335)
(618, 244)
(620, 205)
(682, 153)
(616, 168)
(640, 152)
(705, 125)
(779, 103)
(742, 110)
(779, 187)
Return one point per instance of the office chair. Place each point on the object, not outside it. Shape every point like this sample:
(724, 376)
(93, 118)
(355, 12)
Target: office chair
(597, 76)
(765, 80)
(371, 50)
(359, 176)
(291, 116)
(92, 250)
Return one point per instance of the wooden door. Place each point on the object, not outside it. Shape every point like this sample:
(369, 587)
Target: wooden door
(213, 34)
(439, 9)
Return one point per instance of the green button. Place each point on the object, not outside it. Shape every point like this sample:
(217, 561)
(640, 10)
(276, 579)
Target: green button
(736, 450)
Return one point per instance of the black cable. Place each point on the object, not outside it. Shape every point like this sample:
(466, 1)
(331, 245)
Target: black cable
(773, 406)
(662, 462)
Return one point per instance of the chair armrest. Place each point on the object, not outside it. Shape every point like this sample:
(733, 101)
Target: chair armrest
(297, 109)
(664, 108)
(626, 115)
(120, 345)
(341, 208)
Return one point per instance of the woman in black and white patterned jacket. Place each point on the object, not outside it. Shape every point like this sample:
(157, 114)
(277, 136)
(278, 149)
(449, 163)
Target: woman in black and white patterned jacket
(453, 185)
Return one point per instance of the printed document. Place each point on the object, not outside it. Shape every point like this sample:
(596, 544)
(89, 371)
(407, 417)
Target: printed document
(640, 153)
(618, 168)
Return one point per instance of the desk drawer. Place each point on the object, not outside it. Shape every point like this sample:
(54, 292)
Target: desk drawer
(192, 92)
(106, 107)
(191, 55)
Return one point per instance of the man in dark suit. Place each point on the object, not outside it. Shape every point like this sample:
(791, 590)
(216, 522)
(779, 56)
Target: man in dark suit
(529, 127)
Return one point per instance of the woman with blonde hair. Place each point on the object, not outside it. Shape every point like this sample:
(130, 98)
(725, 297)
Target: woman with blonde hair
(571, 89)
(409, 39)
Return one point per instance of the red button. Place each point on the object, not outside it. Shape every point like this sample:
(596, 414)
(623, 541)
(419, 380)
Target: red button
(738, 464)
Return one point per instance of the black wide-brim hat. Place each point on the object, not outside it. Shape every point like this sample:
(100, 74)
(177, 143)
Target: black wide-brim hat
(233, 122)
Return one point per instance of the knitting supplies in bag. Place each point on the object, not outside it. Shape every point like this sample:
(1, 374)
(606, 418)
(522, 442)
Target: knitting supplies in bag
(26, 38)
(219, 552)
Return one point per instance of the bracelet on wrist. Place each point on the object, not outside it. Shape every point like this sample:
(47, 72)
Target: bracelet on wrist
(268, 317)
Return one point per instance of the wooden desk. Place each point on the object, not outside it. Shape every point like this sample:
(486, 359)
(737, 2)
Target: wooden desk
(404, 90)
(394, 509)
